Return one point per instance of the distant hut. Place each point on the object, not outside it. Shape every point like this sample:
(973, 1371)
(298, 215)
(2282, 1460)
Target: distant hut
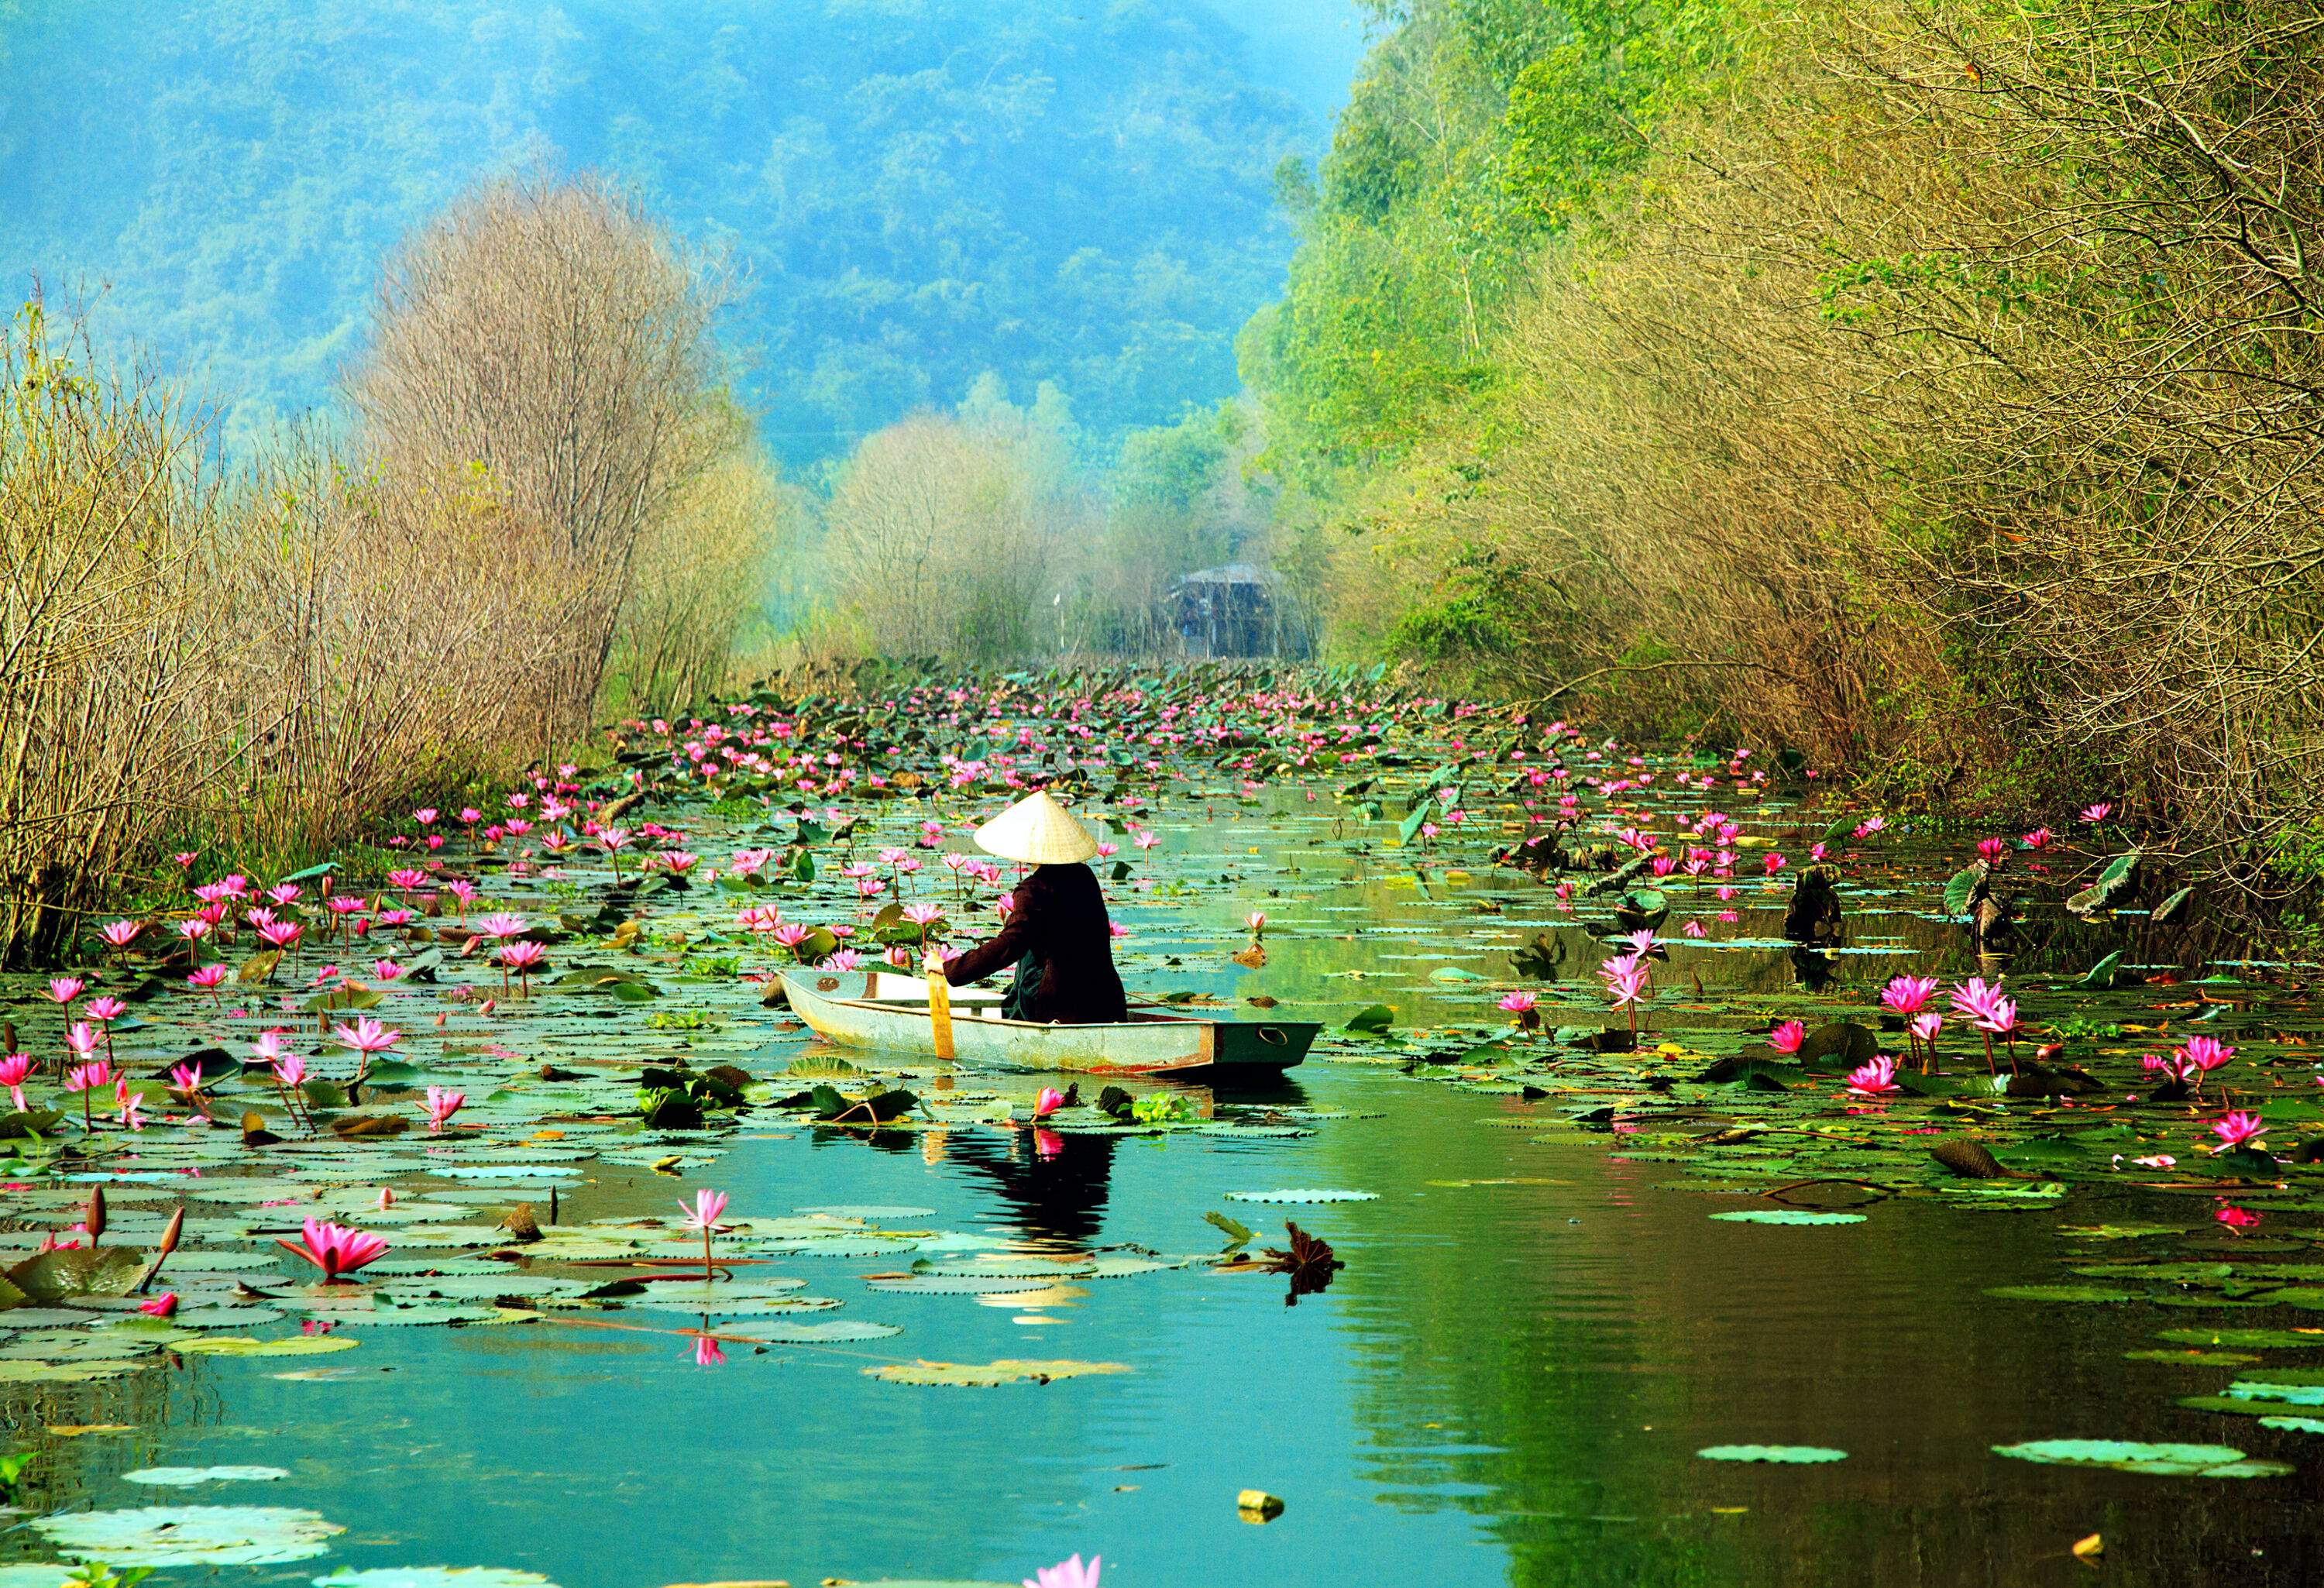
(1226, 610)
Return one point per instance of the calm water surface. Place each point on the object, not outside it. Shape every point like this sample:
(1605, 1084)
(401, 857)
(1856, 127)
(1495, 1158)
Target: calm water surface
(1506, 1385)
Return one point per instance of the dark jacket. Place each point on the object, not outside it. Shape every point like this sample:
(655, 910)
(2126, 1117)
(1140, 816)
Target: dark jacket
(1061, 942)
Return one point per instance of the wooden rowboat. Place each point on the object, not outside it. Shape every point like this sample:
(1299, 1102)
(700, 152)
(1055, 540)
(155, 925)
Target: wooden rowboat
(876, 1009)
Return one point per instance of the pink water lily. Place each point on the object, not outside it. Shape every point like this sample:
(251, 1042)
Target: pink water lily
(1047, 1101)
(336, 1248)
(442, 1103)
(13, 1068)
(1070, 1574)
(2240, 1128)
(702, 1214)
(1877, 1078)
(1788, 1036)
(1907, 994)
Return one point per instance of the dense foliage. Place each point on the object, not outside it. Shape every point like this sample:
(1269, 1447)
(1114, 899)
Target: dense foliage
(1929, 387)
(909, 192)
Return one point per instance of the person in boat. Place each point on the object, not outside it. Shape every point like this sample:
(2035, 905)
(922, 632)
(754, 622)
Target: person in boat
(1058, 937)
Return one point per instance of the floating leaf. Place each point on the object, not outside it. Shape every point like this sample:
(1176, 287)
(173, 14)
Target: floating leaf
(985, 1375)
(2126, 1455)
(290, 1345)
(187, 1477)
(1782, 1454)
(191, 1535)
(2059, 1293)
(433, 1577)
(1303, 1198)
(1787, 1215)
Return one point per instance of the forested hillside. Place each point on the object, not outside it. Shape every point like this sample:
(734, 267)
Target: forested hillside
(908, 192)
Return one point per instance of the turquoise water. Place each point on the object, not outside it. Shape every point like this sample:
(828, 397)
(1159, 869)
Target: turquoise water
(1506, 1385)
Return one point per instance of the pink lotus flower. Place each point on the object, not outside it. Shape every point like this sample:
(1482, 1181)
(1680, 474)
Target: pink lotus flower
(703, 1213)
(164, 1305)
(282, 934)
(336, 1248)
(83, 1040)
(1991, 850)
(366, 1036)
(106, 1011)
(386, 970)
(2039, 838)
(120, 933)
(1518, 1002)
(1069, 1573)
(1147, 840)
(1047, 1101)
(1695, 929)
(1907, 994)
(502, 925)
(443, 1103)
(2198, 1058)
(1788, 1036)
(523, 956)
(2237, 1218)
(1926, 1026)
(207, 978)
(13, 1068)
(1877, 1078)
(65, 989)
(2096, 812)
(2238, 1130)
(1256, 922)
(707, 1352)
(847, 959)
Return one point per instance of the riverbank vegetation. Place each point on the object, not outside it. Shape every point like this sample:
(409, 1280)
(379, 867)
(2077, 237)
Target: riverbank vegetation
(1929, 387)
(540, 485)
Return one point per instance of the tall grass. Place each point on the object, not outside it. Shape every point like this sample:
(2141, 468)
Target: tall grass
(259, 664)
(106, 519)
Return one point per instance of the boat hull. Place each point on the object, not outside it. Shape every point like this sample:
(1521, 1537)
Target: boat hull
(873, 1009)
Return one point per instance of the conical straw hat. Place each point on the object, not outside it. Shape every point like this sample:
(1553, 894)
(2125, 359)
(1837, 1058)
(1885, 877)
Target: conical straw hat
(1037, 831)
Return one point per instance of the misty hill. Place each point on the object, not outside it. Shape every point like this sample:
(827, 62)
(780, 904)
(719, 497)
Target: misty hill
(910, 192)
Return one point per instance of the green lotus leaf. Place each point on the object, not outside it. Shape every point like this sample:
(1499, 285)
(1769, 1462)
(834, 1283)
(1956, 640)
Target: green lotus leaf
(191, 1535)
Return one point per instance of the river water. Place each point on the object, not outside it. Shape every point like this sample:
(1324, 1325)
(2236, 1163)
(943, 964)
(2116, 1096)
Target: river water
(1507, 1384)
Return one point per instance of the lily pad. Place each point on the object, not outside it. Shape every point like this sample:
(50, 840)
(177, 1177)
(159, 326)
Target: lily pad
(164, 1535)
(187, 1477)
(433, 1577)
(1781, 1454)
(289, 1346)
(2089, 1293)
(1302, 1198)
(2128, 1455)
(985, 1375)
(838, 1331)
(1786, 1215)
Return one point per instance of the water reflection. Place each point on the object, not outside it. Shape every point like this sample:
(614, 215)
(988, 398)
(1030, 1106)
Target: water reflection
(1054, 1192)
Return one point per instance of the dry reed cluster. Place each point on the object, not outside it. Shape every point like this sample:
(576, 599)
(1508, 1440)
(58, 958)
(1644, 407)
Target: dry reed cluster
(1943, 401)
(545, 495)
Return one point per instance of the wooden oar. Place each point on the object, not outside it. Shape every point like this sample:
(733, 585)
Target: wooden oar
(940, 1013)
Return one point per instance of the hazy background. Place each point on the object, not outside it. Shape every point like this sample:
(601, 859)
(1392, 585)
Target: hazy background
(912, 192)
